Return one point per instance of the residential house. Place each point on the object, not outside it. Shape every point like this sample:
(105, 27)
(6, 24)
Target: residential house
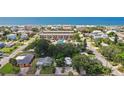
(67, 27)
(10, 44)
(56, 27)
(14, 28)
(98, 34)
(24, 36)
(11, 37)
(28, 27)
(121, 35)
(109, 31)
(21, 28)
(2, 44)
(25, 60)
(47, 61)
(1, 35)
(21, 31)
(61, 41)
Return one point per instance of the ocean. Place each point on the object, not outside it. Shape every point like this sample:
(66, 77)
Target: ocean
(62, 20)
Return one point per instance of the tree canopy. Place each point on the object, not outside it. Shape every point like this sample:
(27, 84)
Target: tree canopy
(91, 66)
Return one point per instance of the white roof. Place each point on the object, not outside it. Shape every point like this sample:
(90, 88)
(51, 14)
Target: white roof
(110, 31)
(84, 53)
(111, 38)
(20, 57)
(68, 60)
(1, 33)
(97, 31)
(104, 44)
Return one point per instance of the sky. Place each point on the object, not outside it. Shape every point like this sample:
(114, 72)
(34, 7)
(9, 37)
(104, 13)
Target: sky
(62, 20)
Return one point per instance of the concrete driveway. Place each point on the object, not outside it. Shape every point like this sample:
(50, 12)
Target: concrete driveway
(23, 71)
(37, 73)
(58, 71)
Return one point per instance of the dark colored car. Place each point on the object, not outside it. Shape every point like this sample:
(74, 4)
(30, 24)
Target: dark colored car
(1, 53)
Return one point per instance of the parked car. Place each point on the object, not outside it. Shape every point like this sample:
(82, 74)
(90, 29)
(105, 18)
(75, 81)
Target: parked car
(1, 53)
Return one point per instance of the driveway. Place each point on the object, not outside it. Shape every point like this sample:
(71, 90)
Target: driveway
(37, 73)
(58, 71)
(23, 71)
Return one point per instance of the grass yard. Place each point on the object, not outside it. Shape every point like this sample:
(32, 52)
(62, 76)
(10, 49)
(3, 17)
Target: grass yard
(48, 70)
(9, 69)
(9, 50)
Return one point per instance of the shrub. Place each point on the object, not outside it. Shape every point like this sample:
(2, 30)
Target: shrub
(70, 73)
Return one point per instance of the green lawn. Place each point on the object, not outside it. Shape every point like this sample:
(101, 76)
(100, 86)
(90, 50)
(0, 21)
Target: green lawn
(48, 70)
(9, 69)
(9, 50)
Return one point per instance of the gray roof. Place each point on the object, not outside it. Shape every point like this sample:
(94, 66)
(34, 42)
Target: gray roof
(44, 61)
(27, 59)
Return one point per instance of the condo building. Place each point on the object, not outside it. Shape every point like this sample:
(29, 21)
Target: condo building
(57, 34)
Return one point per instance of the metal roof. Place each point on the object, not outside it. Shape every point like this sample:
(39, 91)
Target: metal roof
(26, 60)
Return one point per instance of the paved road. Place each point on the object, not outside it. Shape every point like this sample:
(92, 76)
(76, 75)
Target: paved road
(103, 60)
(5, 60)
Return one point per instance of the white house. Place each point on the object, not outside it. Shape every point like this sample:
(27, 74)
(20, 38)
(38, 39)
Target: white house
(107, 32)
(98, 34)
